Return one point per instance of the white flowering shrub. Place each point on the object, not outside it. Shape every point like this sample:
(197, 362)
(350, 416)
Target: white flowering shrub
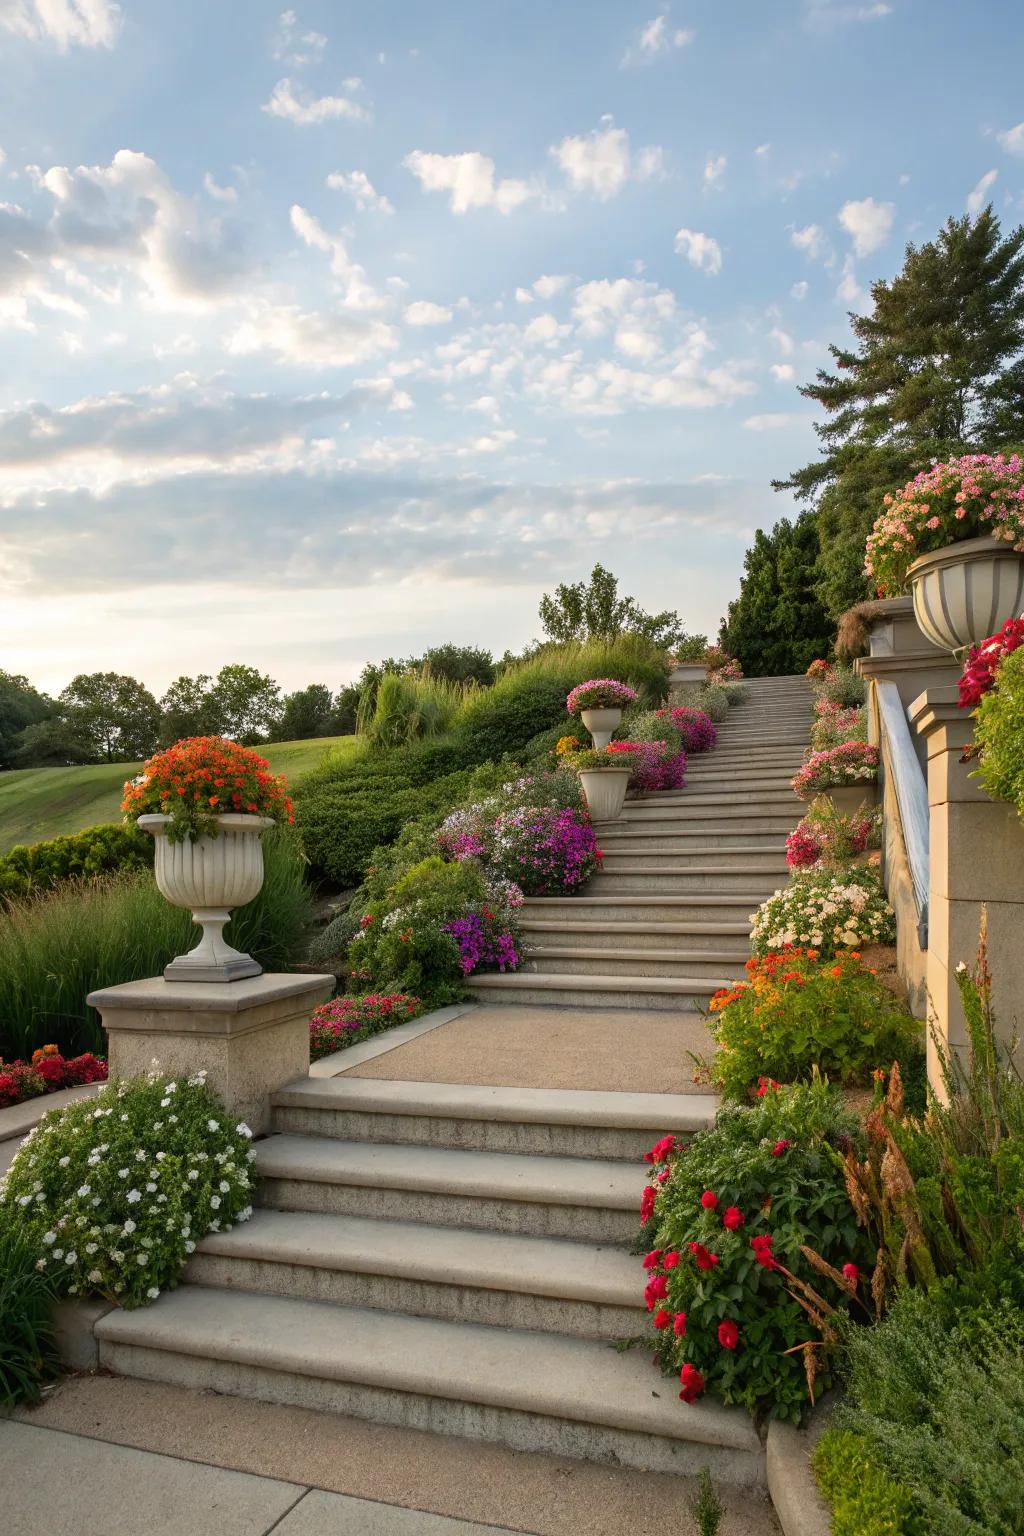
(826, 911)
(118, 1189)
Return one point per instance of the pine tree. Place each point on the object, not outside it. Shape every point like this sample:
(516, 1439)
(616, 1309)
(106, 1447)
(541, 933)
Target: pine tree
(936, 370)
(777, 624)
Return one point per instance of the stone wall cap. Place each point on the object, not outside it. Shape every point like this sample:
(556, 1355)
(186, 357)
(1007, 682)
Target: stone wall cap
(935, 707)
(210, 996)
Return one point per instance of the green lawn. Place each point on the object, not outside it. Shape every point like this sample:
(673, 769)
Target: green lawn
(36, 803)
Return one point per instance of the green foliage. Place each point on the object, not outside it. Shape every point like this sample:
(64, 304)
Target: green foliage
(594, 610)
(999, 730)
(21, 706)
(735, 693)
(934, 372)
(649, 725)
(707, 1511)
(60, 945)
(403, 947)
(333, 939)
(545, 742)
(28, 1355)
(775, 1165)
(113, 715)
(777, 625)
(244, 703)
(409, 707)
(98, 851)
(307, 712)
(864, 1499)
(828, 910)
(795, 1016)
(841, 686)
(459, 664)
(187, 709)
(714, 701)
(114, 1192)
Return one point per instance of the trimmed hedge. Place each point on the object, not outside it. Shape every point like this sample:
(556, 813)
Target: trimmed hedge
(32, 867)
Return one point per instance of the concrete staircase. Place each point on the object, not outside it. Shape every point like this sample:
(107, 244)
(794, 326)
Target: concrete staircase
(666, 921)
(449, 1259)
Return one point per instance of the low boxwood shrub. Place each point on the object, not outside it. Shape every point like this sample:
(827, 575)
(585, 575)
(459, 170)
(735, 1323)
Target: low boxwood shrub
(727, 1218)
(28, 1353)
(32, 867)
(115, 1191)
(333, 939)
(341, 821)
(826, 910)
(651, 725)
(797, 1014)
(714, 701)
(863, 1498)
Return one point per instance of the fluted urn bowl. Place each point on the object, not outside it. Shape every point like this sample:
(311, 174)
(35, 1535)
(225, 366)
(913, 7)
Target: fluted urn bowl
(210, 876)
(965, 592)
(601, 723)
(605, 791)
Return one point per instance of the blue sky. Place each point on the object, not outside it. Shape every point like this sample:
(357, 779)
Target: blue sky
(331, 332)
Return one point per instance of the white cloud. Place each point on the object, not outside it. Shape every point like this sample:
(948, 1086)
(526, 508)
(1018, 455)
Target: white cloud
(524, 296)
(468, 179)
(849, 290)
(548, 286)
(762, 151)
(868, 223)
(295, 47)
(714, 169)
(782, 371)
(601, 161)
(360, 188)
(774, 421)
(700, 250)
(218, 193)
(303, 109)
(423, 312)
(1012, 139)
(782, 340)
(827, 13)
(543, 330)
(635, 313)
(656, 38)
(799, 291)
(310, 338)
(89, 23)
(357, 292)
(978, 196)
(811, 240)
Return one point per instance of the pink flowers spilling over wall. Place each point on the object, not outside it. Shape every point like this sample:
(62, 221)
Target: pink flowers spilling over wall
(853, 763)
(653, 765)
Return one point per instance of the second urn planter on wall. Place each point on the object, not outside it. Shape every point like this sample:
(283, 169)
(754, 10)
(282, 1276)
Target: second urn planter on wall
(605, 791)
(967, 591)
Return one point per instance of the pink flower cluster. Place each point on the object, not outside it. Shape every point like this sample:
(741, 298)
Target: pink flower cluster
(653, 765)
(696, 728)
(852, 763)
(600, 693)
(977, 494)
(980, 668)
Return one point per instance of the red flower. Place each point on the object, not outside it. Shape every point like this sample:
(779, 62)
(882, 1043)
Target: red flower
(661, 1150)
(728, 1334)
(763, 1085)
(733, 1218)
(762, 1246)
(851, 1274)
(705, 1260)
(679, 1325)
(666, 1173)
(656, 1289)
(693, 1383)
(709, 1200)
(653, 1259)
(780, 1147)
(647, 1200)
(671, 1260)
(662, 1318)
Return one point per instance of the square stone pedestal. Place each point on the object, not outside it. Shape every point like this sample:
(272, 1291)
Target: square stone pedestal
(251, 1036)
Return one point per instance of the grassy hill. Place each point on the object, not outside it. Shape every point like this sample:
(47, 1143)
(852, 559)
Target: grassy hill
(36, 803)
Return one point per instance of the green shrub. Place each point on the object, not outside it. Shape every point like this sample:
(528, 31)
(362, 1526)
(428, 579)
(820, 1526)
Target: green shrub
(409, 707)
(28, 1355)
(841, 685)
(650, 725)
(333, 940)
(115, 1191)
(794, 1016)
(33, 867)
(735, 693)
(740, 1200)
(863, 1498)
(57, 947)
(546, 742)
(1000, 731)
(714, 701)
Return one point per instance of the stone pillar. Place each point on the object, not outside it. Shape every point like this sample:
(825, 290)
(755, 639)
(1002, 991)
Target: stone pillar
(976, 856)
(251, 1036)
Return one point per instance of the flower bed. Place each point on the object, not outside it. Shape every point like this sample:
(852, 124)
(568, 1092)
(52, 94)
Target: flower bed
(654, 765)
(345, 1021)
(833, 726)
(983, 661)
(201, 778)
(600, 693)
(544, 851)
(826, 836)
(827, 910)
(852, 763)
(965, 498)
(48, 1072)
(696, 728)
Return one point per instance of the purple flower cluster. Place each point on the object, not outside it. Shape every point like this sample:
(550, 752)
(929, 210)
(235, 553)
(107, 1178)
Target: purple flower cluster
(695, 727)
(546, 851)
(481, 944)
(653, 765)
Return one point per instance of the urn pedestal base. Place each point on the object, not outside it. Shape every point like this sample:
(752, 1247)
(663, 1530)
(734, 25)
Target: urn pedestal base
(213, 958)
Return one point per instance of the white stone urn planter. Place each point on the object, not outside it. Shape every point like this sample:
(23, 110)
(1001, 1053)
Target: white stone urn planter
(849, 798)
(965, 592)
(605, 791)
(210, 876)
(601, 723)
(688, 672)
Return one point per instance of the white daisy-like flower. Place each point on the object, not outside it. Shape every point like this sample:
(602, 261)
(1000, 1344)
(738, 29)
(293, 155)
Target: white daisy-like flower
(215, 1202)
(49, 1238)
(84, 1190)
(62, 1162)
(128, 1228)
(153, 1292)
(212, 1125)
(95, 1276)
(133, 1196)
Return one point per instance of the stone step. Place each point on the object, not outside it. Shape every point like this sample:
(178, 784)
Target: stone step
(655, 880)
(537, 1121)
(689, 841)
(698, 910)
(493, 1278)
(681, 938)
(532, 1391)
(738, 779)
(700, 819)
(567, 989)
(762, 798)
(589, 1199)
(660, 854)
(579, 960)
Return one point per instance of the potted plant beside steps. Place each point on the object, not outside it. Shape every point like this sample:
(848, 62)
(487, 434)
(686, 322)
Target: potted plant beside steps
(847, 775)
(605, 780)
(206, 802)
(599, 703)
(955, 536)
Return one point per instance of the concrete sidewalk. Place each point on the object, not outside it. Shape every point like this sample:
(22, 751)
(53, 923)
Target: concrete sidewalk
(56, 1484)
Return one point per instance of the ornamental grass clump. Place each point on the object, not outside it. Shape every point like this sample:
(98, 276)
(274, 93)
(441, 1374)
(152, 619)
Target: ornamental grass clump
(346, 1021)
(729, 1218)
(854, 763)
(116, 1191)
(201, 779)
(797, 1014)
(964, 498)
(826, 910)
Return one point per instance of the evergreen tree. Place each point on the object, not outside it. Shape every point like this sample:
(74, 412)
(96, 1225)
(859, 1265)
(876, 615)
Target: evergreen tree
(308, 712)
(936, 369)
(594, 610)
(777, 625)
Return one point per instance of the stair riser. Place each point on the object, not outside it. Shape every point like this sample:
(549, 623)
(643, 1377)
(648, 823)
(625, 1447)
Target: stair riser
(521, 1431)
(693, 799)
(739, 821)
(594, 1224)
(649, 912)
(687, 884)
(692, 847)
(620, 1144)
(418, 1298)
(731, 947)
(652, 963)
(586, 997)
(620, 861)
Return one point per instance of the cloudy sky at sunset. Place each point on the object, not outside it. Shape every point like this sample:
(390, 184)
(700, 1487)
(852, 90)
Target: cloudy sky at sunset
(327, 333)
